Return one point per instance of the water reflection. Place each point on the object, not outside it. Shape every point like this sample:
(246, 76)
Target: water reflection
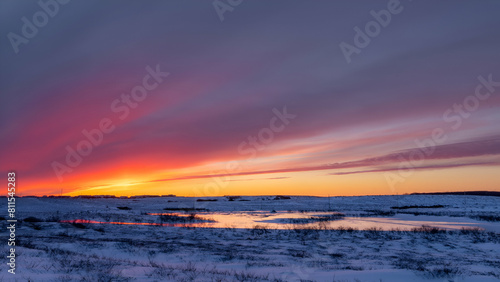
(291, 220)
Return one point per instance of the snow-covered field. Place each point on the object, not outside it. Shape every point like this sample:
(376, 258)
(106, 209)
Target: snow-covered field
(49, 249)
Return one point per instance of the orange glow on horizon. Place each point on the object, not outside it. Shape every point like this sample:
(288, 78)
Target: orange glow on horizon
(311, 183)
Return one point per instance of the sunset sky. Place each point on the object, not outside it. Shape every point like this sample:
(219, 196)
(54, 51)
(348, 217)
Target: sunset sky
(263, 102)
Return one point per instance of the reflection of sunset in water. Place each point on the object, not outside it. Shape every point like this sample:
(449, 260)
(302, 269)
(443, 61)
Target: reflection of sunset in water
(291, 220)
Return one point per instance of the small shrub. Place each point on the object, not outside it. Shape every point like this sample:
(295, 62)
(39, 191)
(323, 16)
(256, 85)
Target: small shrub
(336, 255)
(428, 229)
(32, 219)
(36, 226)
(468, 231)
(78, 225)
(259, 230)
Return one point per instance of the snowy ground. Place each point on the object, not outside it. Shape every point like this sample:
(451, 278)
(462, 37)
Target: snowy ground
(51, 250)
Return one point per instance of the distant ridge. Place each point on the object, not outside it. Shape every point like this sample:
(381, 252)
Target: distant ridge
(470, 193)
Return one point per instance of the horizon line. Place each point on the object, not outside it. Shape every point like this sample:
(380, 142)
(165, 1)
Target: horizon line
(469, 192)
